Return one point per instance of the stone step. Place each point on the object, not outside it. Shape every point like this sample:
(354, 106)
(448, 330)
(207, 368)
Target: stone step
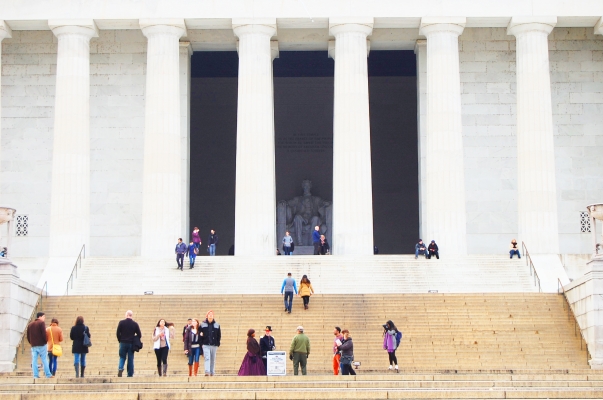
(442, 331)
(392, 386)
(329, 275)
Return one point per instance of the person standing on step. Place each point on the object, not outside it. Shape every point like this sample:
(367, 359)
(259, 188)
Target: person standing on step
(421, 249)
(267, 344)
(211, 333)
(305, 290)
(289, 286)
(180, 251)
(347, 353)
(212, 242)
(299, 351)
(161, 345)
(192, 345)
(287, 242)
(127, 330)
(324, 246)
(316, 240)
(433, 250)
(514, 249)
(191, 252)
(251, 365)
(188, 323)
(336, 354)
(77, 346)
(36, 336)
(54, 335)
(196, 238)
(390, 343)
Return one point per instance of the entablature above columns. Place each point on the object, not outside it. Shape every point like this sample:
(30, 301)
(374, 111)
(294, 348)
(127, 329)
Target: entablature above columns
(301, 30)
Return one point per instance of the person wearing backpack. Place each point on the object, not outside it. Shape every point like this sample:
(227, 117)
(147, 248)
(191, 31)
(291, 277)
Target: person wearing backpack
(391, 341)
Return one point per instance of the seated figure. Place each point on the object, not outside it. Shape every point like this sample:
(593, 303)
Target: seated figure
(514, 249)
(301, 214)
(421, 249)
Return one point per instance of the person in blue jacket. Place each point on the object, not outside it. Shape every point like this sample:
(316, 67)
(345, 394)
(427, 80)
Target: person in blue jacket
(180, 251)
(289, 286)
(316, 240)
(191, 252)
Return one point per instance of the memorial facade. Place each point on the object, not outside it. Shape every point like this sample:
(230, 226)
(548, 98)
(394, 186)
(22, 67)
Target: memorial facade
(96, 120)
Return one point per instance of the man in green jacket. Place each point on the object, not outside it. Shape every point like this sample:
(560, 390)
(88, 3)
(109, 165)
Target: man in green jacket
(299, 351)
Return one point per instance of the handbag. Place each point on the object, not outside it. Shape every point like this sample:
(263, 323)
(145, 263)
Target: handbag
(57, 350)
(86, 342)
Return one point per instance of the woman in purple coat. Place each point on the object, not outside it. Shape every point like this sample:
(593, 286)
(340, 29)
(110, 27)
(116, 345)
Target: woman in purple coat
(196, 238)
(390, 344)
(252, 363)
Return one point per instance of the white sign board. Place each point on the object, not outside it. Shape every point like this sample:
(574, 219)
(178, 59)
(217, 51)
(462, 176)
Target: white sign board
(277, 363)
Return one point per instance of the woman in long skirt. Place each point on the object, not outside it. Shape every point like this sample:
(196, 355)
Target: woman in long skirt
(252, 363)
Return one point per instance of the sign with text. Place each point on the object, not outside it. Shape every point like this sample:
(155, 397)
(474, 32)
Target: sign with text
(277, 363)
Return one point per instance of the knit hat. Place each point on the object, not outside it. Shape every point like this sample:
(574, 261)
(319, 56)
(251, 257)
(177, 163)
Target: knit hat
(300, 328)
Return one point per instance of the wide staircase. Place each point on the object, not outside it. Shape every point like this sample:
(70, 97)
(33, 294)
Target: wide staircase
(458, 346)
(329, 275)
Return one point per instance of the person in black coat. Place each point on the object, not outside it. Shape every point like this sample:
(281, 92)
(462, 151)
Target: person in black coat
(433, 250)
(267, 344)
(77, 348)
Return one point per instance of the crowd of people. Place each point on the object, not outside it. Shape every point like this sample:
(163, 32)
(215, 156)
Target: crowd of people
(192, 249)
(199, 339)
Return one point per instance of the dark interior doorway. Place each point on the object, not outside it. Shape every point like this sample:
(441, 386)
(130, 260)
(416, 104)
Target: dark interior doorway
(303, 111)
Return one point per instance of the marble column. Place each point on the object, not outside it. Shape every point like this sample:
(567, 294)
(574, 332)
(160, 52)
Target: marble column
(255, 203)
(70, 186)
(444, 217)
(352, 181)
(162, 170)
(186, 51)
(536, 184)
(421, 54)
(5, 32)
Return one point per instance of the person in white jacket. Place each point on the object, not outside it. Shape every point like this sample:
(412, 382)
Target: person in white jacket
(161, 344)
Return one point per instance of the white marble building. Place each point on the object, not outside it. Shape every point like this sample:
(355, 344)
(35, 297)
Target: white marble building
(95, 118)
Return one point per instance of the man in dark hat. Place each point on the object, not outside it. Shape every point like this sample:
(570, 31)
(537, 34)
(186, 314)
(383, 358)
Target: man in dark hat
(267, 344)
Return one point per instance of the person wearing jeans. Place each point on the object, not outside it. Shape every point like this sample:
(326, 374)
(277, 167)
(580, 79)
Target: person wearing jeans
(288, 288)
(36, 336)
(180, 251)
(77, 348)
(192, 251)
(212, 241)
(192, 345)
(211, 334)
(127, 329)
(54, 335)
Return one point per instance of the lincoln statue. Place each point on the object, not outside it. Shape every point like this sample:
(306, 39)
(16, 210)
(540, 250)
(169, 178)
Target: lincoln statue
(301, 214)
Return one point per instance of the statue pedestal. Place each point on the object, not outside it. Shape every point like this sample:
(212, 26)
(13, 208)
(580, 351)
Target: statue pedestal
(303, 250)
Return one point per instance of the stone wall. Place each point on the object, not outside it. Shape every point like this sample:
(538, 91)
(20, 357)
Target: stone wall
(117, 78)
(28, 80)
(487, 57)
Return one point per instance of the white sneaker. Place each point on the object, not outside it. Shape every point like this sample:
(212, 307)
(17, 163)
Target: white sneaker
(397, 370)
(390, 367)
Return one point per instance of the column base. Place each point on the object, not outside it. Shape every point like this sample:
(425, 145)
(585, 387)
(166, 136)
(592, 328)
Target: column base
(596, 363)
